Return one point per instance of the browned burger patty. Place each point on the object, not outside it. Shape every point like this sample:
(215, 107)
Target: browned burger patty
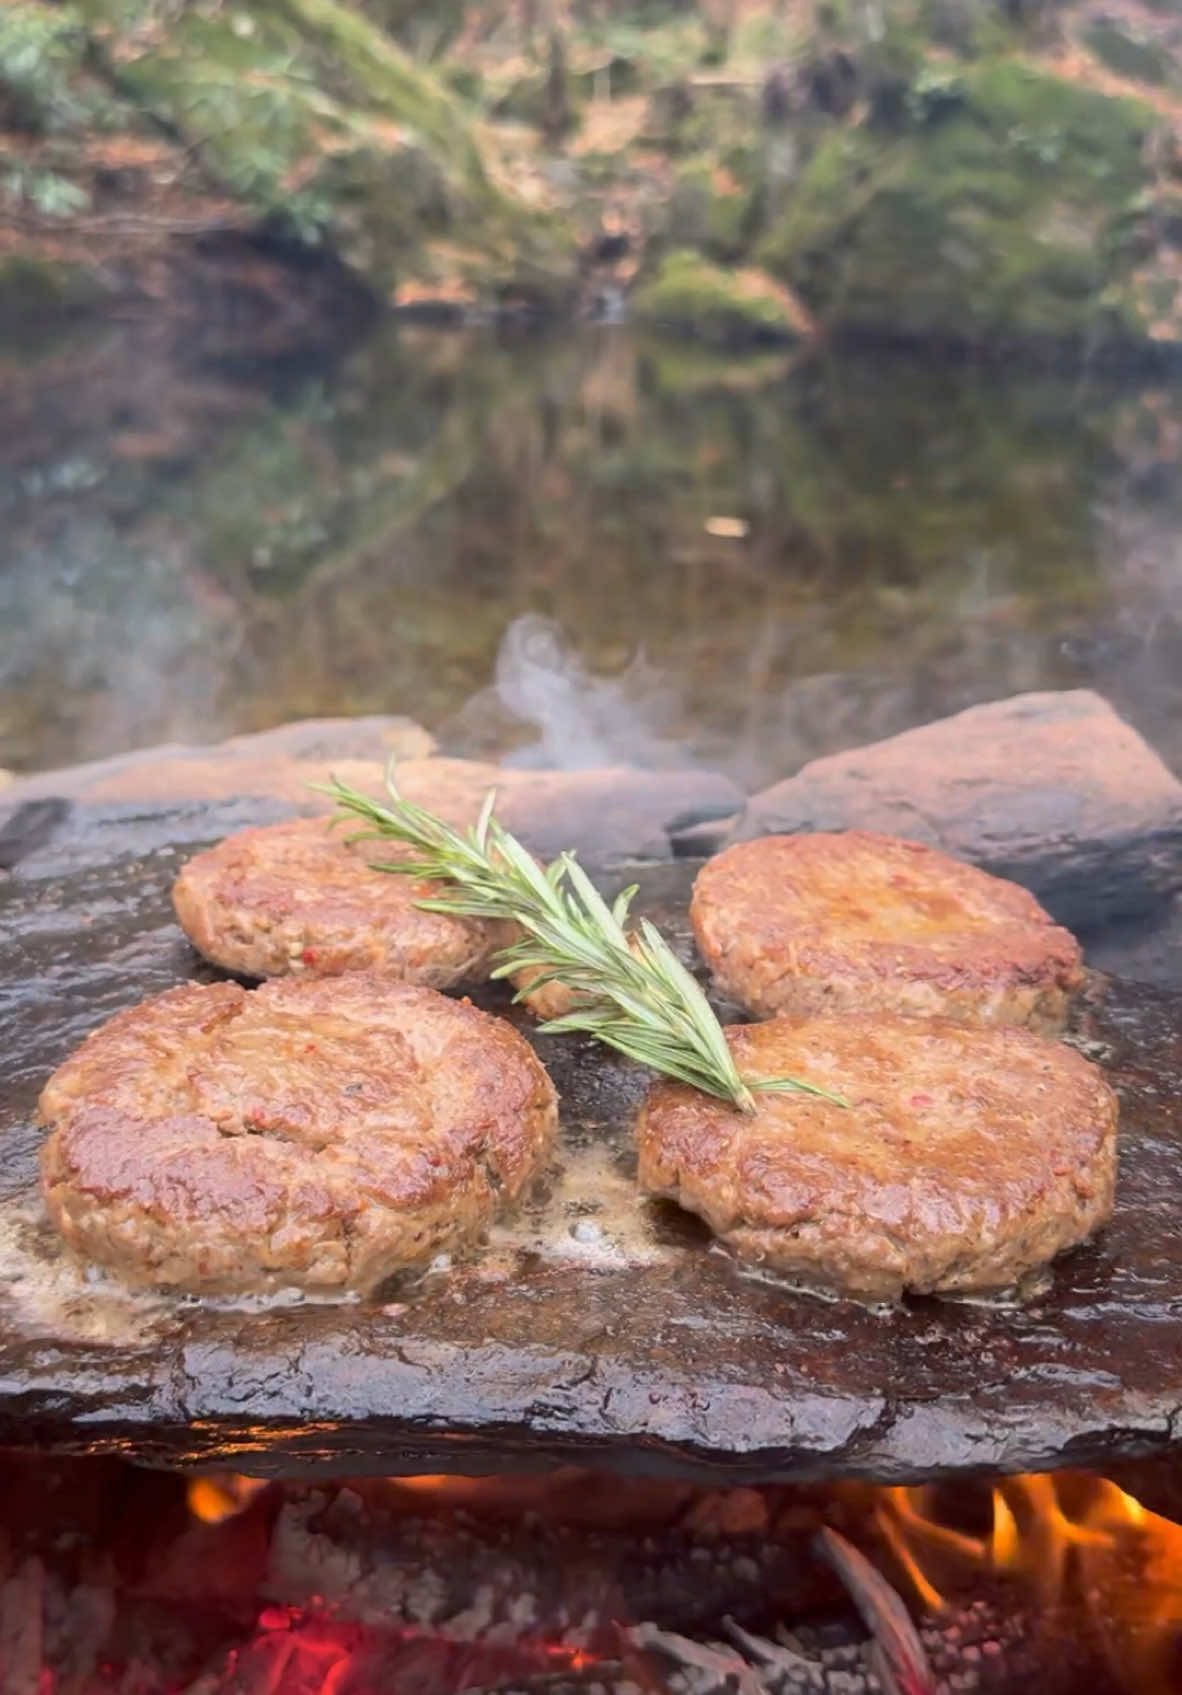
(965, 1157)
(813, 924)
(314, 1133)
(295, 897)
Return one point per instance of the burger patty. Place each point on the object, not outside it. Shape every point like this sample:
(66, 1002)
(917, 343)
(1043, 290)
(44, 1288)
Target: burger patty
(313, 1133)
(812, 924)
(964, 1158)
(297, 897)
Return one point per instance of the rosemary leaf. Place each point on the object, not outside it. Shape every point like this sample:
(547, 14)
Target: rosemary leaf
(633, 993)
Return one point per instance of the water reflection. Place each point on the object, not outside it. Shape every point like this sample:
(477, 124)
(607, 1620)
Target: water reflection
(194, 550)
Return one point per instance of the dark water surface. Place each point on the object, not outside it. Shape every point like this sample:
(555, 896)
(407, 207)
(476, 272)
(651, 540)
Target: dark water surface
(805, 554)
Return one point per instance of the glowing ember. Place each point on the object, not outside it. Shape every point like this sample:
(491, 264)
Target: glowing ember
(294, 1652)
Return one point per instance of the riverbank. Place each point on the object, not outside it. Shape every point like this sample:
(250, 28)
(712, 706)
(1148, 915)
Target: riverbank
(990, 176)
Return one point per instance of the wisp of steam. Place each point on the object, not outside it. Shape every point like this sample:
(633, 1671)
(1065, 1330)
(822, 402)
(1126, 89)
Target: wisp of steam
(581, 720)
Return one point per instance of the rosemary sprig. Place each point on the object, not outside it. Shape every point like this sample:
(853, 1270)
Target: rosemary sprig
(635, 995)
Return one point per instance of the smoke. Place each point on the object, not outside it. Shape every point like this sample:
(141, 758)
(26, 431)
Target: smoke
(581, 720)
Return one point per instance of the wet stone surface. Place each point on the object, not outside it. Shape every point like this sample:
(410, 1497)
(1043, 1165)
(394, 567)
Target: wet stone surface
(593, 1326)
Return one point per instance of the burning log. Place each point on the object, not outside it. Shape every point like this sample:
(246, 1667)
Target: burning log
(385, 1586)
(465, 1578)
(457, 1579)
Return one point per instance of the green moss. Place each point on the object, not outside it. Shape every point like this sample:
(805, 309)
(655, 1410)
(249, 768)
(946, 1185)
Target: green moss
(361, 64)
(1007, 209)
(689, 294)
(957, 192)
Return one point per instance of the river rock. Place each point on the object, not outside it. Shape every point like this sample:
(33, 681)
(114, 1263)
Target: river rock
(139, 802)
(609, 814)
(1053, 790)
(278, 763)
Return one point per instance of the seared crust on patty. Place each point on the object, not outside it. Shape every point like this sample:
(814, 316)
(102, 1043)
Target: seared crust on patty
(811, 924)
(314, 1133)
(296, 897)
(965, 1158)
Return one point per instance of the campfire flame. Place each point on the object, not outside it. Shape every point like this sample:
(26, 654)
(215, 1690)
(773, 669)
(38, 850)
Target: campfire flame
(212, 1499)
(1075, 1553)
(1080, 1545)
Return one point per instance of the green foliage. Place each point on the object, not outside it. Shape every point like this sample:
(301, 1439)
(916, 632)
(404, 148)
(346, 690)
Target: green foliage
(45, 192)
(41, 61)
(910, 171)
(250, 106)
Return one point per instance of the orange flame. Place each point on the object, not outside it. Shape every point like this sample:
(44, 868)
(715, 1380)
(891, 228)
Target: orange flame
(1075, 1542)
(212, 1499)
(1086, 1553)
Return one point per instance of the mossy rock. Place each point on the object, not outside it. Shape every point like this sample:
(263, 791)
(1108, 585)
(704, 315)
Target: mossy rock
(1007, 208)
(691, 296)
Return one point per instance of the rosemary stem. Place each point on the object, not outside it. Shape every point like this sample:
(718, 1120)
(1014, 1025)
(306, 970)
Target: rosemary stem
(631, 992)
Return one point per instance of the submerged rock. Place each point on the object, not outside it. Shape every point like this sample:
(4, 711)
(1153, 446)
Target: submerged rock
(1053, 790)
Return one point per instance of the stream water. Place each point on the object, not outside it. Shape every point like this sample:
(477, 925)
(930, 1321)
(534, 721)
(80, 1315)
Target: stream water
(573, 548)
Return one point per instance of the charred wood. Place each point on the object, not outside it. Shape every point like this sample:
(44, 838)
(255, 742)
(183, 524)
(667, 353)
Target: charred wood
(466, 1578)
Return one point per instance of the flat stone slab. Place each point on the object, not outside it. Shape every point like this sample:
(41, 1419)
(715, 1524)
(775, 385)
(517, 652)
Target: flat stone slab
(595, 1327)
